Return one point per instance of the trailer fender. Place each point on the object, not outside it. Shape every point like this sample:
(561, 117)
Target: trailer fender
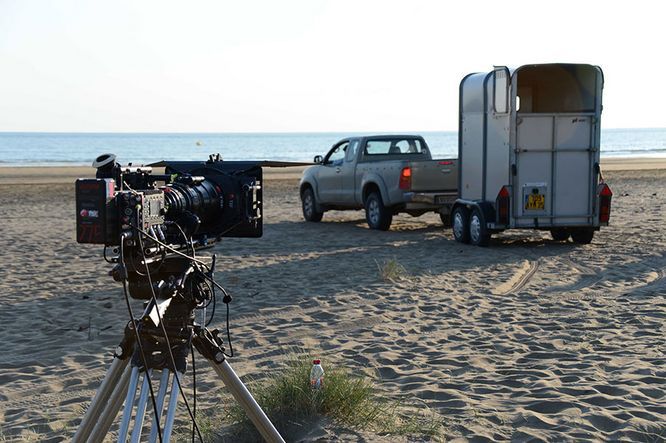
(488, 211)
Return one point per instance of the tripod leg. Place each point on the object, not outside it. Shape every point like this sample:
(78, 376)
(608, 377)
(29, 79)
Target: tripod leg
(129, 404)
(113, 406)
(103, 392)
(164, 384)
(171, 411)
(247, 402)
(141, 408)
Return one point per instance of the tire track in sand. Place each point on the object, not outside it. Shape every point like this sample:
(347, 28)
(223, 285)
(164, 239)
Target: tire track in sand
(519, 279)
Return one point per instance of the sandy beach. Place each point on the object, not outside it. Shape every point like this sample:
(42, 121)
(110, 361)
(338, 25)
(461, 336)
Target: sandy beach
(526, 340)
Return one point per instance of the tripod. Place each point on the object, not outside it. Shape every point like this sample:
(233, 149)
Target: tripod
(122, 380)
(148, 347)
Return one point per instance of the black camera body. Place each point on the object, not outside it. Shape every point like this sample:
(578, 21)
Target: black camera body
(193, 203)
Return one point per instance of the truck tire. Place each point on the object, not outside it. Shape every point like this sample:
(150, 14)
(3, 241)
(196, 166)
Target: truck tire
(478, 232)
(582, 236)
(560, 234)
(310, 212)
(446, 219)
(376, 214)
(460, 224)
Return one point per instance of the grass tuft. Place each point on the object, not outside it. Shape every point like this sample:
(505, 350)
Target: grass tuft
(391, 270)
(346, 400)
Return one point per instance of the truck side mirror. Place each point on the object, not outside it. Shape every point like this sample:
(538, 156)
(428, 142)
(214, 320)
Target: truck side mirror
(318, 159)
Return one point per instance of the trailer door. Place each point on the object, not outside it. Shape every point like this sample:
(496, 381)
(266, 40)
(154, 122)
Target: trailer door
(554, 169)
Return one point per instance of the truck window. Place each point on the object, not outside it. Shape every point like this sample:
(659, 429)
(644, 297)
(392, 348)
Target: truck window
(394, 147)
(351, 151)
(337, 154)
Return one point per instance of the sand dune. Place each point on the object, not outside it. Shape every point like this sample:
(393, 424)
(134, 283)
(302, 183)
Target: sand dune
(525, 340)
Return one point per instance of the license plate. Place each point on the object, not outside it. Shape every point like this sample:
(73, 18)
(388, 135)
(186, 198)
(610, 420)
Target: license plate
(535, 202)
(442, 199)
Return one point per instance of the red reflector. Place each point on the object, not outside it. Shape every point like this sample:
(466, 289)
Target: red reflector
(446, 162)
(604, 210)
(502, 204)
(606, 191)
(405, 178)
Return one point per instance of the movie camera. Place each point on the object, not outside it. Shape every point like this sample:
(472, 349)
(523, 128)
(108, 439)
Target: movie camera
(191, 206)
(155, 223)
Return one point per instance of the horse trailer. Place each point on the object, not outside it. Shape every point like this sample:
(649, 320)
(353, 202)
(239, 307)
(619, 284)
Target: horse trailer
(528, 149)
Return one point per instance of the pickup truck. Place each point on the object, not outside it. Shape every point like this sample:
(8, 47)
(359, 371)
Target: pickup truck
(383, 174)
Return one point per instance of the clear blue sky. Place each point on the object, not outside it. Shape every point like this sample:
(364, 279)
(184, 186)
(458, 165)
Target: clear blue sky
(306, 65)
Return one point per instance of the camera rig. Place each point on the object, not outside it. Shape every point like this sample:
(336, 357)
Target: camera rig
(208, 200)
(149, 218)
(155, 223)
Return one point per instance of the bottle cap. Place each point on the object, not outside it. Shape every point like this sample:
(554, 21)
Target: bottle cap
(316, 362)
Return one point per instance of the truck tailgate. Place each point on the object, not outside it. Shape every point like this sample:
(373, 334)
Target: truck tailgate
(434, 175)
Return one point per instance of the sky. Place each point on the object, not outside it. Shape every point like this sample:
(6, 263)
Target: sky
(305, 65)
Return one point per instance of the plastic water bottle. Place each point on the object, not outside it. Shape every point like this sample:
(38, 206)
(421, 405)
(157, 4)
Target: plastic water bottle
(316, 375)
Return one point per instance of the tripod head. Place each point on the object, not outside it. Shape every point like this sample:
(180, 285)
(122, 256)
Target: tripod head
(174, 285)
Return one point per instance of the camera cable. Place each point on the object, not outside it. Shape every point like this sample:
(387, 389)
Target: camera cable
(169, 248)
(166, 338)
(136, 331)
(194, 392)
(188, 241)
(226, 299)
(106, 259)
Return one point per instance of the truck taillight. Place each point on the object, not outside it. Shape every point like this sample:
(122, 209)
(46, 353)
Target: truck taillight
(406, 178)
(605, 195)
(502, 204)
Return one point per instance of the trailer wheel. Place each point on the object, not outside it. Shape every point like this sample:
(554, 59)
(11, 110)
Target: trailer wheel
(377, 215)
(460, 224)
(478, 232)
(560, 234)
(582, 236)
(310, 212)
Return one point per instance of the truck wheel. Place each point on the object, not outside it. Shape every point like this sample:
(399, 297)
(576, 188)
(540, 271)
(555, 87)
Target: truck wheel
(446, 219)
(582, 236)
(310, 212)
(460, 224)
(560, 234)
(376, 214)
(478, 232)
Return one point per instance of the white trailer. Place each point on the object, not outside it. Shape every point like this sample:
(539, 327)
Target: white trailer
(528, 149)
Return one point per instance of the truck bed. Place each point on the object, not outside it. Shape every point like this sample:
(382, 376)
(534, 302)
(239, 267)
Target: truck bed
(434, 175)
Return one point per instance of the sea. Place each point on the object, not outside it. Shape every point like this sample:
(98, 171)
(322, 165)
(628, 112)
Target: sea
(72, 149)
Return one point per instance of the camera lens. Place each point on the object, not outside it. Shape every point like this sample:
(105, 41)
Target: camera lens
(202, 200)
